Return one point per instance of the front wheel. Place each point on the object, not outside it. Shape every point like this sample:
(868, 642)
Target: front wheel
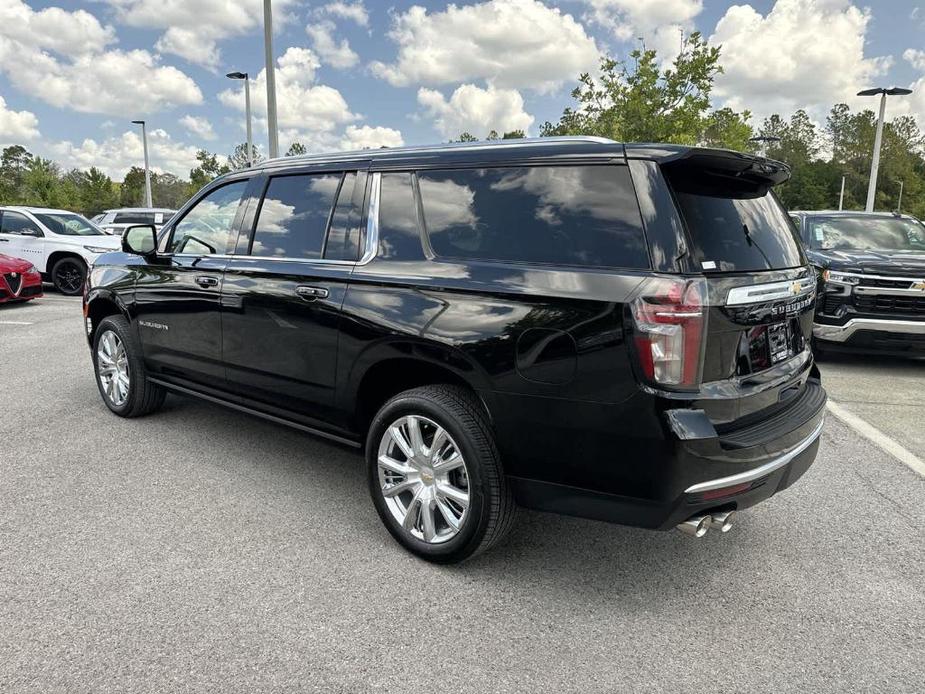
(69, 275)
(120, 371)
(435, 475)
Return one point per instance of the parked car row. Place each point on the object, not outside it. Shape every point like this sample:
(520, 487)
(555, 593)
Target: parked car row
(116, 221)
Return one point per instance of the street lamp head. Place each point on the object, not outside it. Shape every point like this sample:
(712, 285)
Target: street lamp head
(236, 75)
(138, 122)
(891, 91)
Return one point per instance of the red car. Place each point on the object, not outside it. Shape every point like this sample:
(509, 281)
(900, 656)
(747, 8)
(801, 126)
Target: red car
(19, 280)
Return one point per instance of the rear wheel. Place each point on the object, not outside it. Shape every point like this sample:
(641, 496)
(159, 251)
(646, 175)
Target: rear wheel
(120, 371)
(435, 475)
(68, 276)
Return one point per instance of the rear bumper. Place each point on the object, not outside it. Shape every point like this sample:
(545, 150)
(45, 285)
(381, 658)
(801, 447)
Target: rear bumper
(692, 476)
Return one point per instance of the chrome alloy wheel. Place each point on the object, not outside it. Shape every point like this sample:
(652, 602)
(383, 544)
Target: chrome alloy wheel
(423, 478)
(112, 366)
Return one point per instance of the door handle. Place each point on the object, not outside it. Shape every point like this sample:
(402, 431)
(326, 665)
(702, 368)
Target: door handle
(311, 293)
(206, 281)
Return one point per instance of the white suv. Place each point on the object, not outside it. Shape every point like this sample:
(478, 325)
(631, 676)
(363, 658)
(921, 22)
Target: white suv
(61, 244)
(117, 221)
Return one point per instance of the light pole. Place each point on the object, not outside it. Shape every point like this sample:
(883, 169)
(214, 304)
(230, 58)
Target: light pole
(247, 107)
(271, 79)
(144, 139)
(841, 195)
(899, 203)
(878, 138)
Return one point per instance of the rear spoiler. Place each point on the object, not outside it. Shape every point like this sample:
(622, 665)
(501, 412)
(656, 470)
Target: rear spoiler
(698, 170)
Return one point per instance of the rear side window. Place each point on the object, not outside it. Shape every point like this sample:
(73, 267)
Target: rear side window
(15, 223)
(739, 234)
(399, 233)
(569, 215)
(135, 218)
(294, 215)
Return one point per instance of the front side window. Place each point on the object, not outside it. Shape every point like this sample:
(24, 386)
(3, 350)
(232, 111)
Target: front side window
(867, 233)
(208, 228)
(294, 216)
(569, 215)
(68, 224)
(15, 223)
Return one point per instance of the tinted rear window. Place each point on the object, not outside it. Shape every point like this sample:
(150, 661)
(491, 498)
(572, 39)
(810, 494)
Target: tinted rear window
(740, 234)
(134, 218)
(568, 215)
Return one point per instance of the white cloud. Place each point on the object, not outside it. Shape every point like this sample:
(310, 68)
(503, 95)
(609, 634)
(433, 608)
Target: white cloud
(198, 126)
(658, 22)
(475, 110)
(116, 155)
(63, 58)
(354, 11)
(333, 53)
(17, 125)
(190, 46)
(367, 137)
(512, 43)
(802, 53)
(915, 58)
(302, 105)
(194, 29)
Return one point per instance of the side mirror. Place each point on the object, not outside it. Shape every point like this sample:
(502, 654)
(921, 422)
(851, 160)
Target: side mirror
(140, 239)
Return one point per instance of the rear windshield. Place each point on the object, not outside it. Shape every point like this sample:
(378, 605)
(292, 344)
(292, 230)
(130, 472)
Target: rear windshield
(867, 233)
(740, 234)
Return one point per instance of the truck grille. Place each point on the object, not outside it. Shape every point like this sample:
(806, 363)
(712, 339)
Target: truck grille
(892, 305)
(885, 282)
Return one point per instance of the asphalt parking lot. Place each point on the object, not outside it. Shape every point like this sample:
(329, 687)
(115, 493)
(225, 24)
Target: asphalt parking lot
(200, 549)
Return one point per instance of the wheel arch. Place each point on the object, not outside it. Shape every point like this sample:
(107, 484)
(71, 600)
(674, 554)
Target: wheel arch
(387, 369)
(102, 303)
(57, 255)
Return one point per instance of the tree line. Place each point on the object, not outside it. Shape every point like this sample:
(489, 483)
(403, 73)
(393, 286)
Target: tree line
(26, 179)
(639, 99)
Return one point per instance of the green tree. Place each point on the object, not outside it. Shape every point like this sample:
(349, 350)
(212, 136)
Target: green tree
(466, 137)
(14, 162)
(238, 160)
(296, 149)
(42, 183)
(640, 101)
(132, 190)
(514, 135)
(169, 190)
(208, 170)
(96, 193)
(728, 129)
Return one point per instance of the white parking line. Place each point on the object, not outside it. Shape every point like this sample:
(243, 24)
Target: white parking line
(13, 322)
(872, 433)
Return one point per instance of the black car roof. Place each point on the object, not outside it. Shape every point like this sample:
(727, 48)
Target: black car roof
(541, 149)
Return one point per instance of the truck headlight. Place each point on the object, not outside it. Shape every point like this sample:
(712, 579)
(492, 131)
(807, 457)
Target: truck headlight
(834, 277)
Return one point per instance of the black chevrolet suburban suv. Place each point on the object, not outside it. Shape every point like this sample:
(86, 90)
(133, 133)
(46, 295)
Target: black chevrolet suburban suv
(871, 268)
(619, 332)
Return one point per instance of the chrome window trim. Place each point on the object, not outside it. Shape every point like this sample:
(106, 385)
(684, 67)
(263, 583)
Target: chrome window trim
(771, 291)
(372, 221)
(758, 472)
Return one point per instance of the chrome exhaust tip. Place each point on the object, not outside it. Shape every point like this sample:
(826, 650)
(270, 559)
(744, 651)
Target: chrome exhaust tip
(696, 526)
(723, 521)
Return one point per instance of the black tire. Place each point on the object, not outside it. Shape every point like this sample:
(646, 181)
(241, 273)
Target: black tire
(68, 275)
(143, 396)
(490, 514)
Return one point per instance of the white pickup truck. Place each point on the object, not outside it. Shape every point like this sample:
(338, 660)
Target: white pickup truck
(61, 244)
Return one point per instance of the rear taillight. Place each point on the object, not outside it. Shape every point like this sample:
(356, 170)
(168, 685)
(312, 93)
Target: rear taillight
(669, 317)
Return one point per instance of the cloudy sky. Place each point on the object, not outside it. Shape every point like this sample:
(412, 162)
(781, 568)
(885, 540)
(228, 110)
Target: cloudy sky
(350, 73)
